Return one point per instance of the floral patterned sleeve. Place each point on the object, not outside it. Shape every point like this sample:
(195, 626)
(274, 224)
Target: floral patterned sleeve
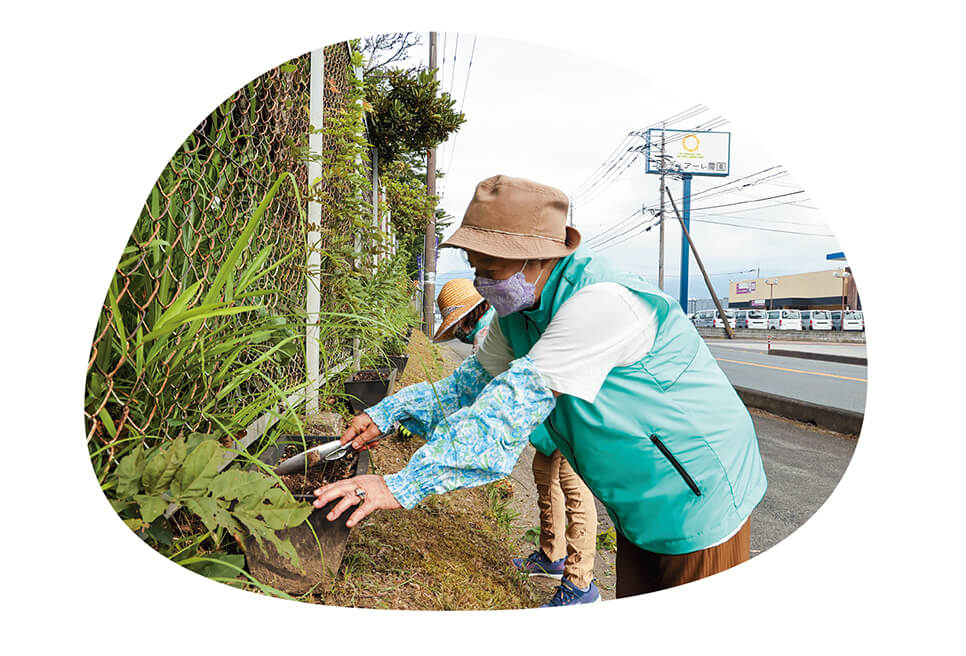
(422, 406)
(480, 443)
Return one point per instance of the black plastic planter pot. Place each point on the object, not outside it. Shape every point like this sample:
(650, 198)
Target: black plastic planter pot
(366, 393)
(399, 362)
(274, 569)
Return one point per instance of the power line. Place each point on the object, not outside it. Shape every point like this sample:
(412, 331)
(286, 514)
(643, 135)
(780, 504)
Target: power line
(456, 51)
(452, 150)
(620, 152)
(748, 227)
(701, 194)
(586, 195)
(691, 111)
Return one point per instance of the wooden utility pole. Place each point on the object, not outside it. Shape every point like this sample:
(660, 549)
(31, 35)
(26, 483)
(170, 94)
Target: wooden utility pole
(697, 258)
(429, 243)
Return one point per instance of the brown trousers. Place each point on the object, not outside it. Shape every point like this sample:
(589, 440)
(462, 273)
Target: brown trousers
(568, 517)
(640, 571)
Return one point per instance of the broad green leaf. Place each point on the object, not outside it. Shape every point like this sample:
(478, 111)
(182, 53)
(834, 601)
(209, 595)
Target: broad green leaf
(206, 509)
(246, 486)
(129, 471)
(284, 511)
(260, 531)
(162, 466)
(198, 470)
(119, 505)
(151, 506)
(194, 439)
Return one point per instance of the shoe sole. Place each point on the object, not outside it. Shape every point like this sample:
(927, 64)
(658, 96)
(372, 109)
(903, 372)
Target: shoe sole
(556, 577)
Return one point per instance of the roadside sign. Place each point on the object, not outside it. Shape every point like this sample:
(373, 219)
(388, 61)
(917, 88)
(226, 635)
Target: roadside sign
(744, 287)
(758, 302)
(689, 151)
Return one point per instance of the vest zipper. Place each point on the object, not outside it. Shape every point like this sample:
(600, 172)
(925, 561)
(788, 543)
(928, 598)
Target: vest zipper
(677, 465)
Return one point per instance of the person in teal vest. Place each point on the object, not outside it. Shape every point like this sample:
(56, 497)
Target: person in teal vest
(567, 543)
(610, 366)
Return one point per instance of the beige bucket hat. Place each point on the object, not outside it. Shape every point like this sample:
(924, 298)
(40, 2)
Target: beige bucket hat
(516, 219)
(456, 299)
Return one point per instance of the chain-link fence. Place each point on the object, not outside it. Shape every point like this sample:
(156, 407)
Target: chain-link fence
(192, 219)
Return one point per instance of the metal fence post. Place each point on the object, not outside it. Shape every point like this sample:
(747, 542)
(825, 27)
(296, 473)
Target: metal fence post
(314, 235)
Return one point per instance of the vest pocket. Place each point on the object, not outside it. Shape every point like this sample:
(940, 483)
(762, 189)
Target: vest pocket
(677, 465)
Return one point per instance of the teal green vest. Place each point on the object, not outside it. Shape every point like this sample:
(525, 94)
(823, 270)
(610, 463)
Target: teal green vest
(667, 446)
(539, 438)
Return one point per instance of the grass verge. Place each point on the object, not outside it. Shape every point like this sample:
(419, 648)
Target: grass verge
(451, 552)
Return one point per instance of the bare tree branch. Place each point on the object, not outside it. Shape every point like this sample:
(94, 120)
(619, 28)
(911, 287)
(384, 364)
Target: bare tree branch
(384, 49)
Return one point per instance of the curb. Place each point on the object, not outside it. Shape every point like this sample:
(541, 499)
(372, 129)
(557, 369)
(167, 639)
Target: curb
(833, 419)
(827, 357)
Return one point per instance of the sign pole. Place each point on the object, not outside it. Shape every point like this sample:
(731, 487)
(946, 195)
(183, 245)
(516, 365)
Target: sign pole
(686, 222)
(707, 280)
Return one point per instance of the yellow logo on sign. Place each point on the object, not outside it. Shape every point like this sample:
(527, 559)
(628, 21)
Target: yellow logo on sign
(692, 148)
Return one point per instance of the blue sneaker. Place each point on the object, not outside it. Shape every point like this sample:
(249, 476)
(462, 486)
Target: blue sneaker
(569, 594)
(537, 564)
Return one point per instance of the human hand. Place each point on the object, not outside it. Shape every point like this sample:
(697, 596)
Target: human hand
(375, 496)
(359, 431)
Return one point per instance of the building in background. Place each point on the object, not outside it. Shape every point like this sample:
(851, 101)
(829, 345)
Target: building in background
(820, 290)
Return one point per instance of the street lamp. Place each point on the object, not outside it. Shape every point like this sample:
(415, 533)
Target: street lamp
(844, 276)
(771, 301)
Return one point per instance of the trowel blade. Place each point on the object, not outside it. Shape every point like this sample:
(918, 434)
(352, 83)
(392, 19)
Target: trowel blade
(297, 462)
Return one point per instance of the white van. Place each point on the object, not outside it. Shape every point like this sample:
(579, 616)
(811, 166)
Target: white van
(784, 320)
(816, 320)
(853, 320)
(751, 319)
(711, 319)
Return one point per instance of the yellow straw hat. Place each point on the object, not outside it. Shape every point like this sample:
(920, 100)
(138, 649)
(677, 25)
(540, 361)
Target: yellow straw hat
(456, 299)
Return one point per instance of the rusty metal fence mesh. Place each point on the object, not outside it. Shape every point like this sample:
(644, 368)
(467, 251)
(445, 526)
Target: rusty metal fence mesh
(189, 223)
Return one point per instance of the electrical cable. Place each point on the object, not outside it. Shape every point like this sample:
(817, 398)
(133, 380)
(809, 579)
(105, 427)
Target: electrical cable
(452, 150)
(621, 150)
(701, 194)
(587, 196)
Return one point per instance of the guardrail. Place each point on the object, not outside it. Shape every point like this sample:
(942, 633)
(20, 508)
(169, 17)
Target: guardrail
(830, 336)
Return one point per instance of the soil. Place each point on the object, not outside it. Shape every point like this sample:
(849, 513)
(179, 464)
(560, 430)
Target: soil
(320, 472)
(369, 375)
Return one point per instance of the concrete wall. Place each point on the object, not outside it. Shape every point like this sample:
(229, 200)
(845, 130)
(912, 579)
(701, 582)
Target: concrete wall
(789, 335)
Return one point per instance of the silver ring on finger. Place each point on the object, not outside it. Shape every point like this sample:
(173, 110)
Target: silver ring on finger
(359, 492)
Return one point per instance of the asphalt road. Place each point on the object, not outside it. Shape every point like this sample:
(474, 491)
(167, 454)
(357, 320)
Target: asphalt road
(826, 383)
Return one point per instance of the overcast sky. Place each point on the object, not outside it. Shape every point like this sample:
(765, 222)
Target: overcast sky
(555, 117)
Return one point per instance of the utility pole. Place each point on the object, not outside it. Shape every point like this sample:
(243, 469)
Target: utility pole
(844, 275)
(429, 244)
(771, 301)
(697, 258)
(660, 247)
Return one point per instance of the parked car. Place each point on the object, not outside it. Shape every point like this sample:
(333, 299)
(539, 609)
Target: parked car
(854, 320)
(751, 319)
(816, 320)
(711, 319)
(784, 320)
